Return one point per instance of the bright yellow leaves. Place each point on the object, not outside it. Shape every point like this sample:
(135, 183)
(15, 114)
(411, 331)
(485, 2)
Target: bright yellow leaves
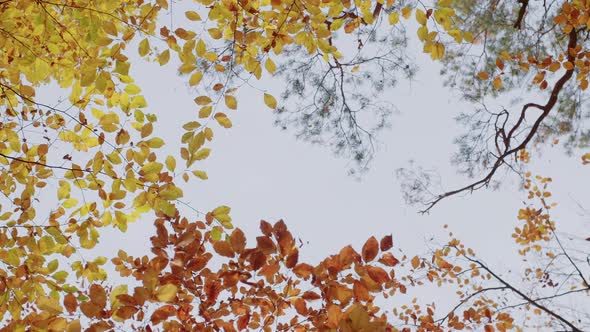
(195, 78)
(203, 100)
(270, 101)
(231, 102)
(192, 15)
(221, 214)
(393, 18)
(164, 57)
(223, 120)
(166, 293)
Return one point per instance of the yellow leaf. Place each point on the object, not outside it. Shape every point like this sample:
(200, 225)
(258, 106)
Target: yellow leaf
(223, 120)
(231, 102)
(393, 18)
(215, 33)
(144, 47)
(138, 102)
(437, 52)
(203, 100)
(222, 215)
(420, 16)
(422, 33)
(164, 57)
(49, 304)
(270, 66)
(200, 174)
(152, 168)
(170, 192)
(205, 111)
(270, 101)
(70, 203)
(193, 16)
(170, 163)
(202, 154)
(132, 89)
(195, 78)
(155, 142)
(201, 48)
(166, 293)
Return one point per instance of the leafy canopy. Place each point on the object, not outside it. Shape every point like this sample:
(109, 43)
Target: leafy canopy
(100, 162)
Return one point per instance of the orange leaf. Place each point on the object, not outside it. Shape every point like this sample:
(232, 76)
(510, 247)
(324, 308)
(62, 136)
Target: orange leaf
(499, 64)
(388, 259)
(243, 322)
(370, 249)
(483, 75)
(303, 270)
(334, 314)
(497, 83)
(415, 262)
(361, 293)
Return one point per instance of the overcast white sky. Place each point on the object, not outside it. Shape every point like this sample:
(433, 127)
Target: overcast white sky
(265, 173)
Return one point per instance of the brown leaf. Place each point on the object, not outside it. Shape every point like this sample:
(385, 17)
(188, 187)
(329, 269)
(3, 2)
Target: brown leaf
(212, 290)
(377, 274)
(311, 296)
(243, 322)
(300, 306)
(370, 249)
(292, 259)
(386, 243)
(286, 241)
(70, 302)
(90, 309)
(257, 259)
(125, 312)
(343, 294)
(361, 293)
(265, 244)
(230, 279)
(98, 296)
(279, 227)
(266, 228)
(126, 299)
(388, 259)
(237, 240)
(334, 314)
(303, 270)
(223, 248)
(162, 313)
(348, 255)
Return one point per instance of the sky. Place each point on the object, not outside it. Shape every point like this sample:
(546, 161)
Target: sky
(262, 172)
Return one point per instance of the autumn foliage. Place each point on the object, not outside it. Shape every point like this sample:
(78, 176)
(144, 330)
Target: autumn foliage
(95, 160)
